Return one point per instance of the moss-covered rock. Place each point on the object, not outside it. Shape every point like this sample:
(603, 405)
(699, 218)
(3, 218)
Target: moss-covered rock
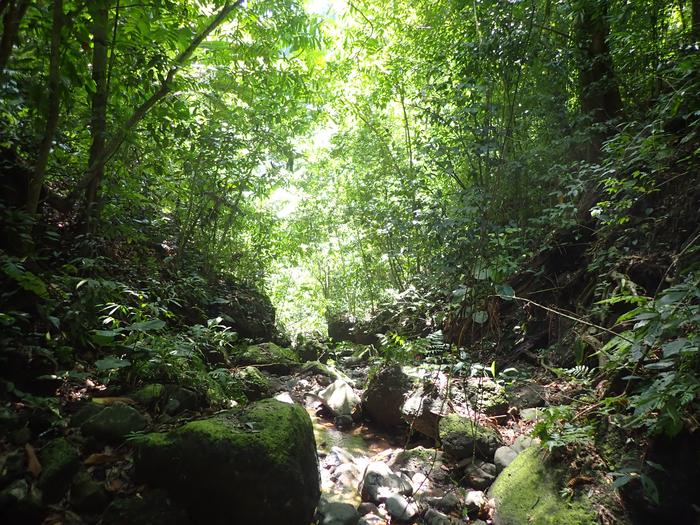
(385, 395)
(20, 504)
(150, 395)
(269, 356)
(254, 384)
(528, 491)
(151, 508)
(88, 495)
(462, 437)
(60, 461)
(318, 368)
(114, 423)
(258, 464)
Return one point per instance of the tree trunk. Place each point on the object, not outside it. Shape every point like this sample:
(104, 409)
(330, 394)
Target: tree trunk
(15, 11)
(99, 11)
(37, 178)
(695, 14)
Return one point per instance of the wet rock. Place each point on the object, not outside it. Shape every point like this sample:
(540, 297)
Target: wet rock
(343, 422)
(379, 482)
(87, 495)
(475, 501)
(60, 461)
(260, 461)
(503, 457)
(337, 513)
(385, 396)
(268, 356)
(400, 508)
(463, 438)
(20, 504)
(151, 508)
(340, 398)
(435, 517)
(114, 423)
(529, 491)
(479, 474)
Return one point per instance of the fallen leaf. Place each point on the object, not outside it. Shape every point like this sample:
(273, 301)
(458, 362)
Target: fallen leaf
(113, 400)
(33, 465)
(100, 458)
(114, 485)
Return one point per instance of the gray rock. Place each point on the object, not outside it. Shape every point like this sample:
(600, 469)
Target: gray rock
(60, 461)
(530, 414)
(479, 474)
(181, 399)
(463, 438)
(503, 457)
(523, 443)
(385, 395)
(400, 508)
(435, 517)
(340, 398)
(367, 508)
(84, 413)
(474, 501)
(527, 395)
(114, 423)
(448, 503)
(426, 405)
(338, 513)
(379, 482)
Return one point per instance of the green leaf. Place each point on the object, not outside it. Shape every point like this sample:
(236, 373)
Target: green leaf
(146, 326)
(480, 317)
(674, 347)
(505, 291)
(111, 363)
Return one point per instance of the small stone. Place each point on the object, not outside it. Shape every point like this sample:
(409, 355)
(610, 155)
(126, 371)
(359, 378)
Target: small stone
(400, 508)
(60, 462)
(379, 482)
(337, 513)
(114, 423)
(480, 475)
(503, 457)
(435, 517)
(474, 501)
(449, 502)
(523, 443)
(530, 414)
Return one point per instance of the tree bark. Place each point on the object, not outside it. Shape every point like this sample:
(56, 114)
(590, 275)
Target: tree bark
(98, 120)
(15, 11)
(695, 20)
(37, 179)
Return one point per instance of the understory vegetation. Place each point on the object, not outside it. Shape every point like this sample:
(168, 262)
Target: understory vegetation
(499, 187)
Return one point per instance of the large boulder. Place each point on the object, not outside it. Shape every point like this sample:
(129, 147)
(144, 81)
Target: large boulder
(529, 491)
(427, 404)
(340, 398)
(385, 396)
(257, 465)
(267, 356)
(462, 438)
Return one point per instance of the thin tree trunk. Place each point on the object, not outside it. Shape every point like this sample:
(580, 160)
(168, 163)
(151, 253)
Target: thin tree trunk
(695, 20)
(98, 120)
(96, 166)
(10, 23)
(37, 179)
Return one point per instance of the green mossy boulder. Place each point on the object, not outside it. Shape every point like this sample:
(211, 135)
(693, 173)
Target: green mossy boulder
(88, 495)
(150, 395)
(462, 438)
(527, 491)
(257, 465)
(254, 384)
(150, 508)
(269, 356)
(60, 461)
(114, 423)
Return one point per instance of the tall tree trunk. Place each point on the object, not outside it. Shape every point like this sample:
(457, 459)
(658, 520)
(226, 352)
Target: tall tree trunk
(99, 11)
(598, 90)
(14, 12)
(695, 8)
(37, 178)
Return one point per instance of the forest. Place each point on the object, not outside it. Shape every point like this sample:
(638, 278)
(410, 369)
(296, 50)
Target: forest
(349, 262)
